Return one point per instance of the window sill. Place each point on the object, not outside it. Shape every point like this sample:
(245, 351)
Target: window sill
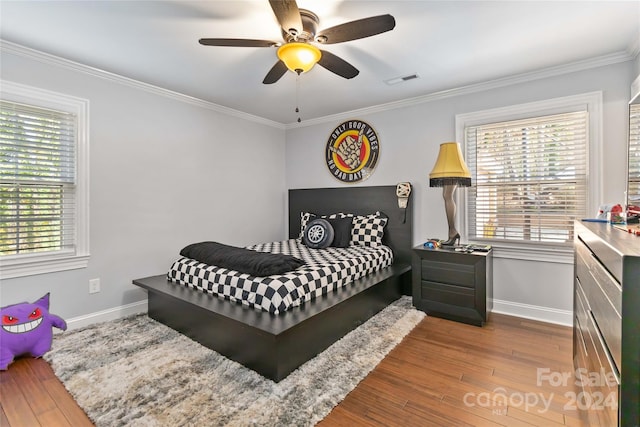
(559, 255)
(40, 264)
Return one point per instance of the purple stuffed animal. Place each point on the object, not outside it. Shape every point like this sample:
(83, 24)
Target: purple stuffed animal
(27, 329)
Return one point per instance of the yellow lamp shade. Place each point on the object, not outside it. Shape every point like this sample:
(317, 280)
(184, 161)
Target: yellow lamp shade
(299, 57)
(450, 167)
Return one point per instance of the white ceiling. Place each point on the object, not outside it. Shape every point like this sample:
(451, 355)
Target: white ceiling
(449, 44)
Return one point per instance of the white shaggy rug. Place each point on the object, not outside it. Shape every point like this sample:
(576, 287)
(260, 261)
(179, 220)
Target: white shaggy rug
(138, 372)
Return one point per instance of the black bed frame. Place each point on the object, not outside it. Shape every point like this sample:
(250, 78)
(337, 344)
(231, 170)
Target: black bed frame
(275, 345)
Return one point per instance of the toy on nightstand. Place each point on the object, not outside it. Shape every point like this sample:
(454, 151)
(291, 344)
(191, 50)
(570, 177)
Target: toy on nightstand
(433, 244)
(27, 329)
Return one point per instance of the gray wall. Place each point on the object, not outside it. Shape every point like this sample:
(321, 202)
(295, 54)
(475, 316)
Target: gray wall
(163, 173)
(409, 138)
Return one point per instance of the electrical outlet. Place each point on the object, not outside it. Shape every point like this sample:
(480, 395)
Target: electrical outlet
(94, 286)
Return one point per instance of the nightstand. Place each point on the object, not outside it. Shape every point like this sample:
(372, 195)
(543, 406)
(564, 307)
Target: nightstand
(453, 285)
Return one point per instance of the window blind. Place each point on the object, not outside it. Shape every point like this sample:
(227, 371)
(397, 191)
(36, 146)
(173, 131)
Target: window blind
(37, 179)
(634, 155)
(530, 178)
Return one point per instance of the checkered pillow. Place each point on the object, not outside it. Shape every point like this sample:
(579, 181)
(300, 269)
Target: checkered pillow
(338, 215)
(368, 230)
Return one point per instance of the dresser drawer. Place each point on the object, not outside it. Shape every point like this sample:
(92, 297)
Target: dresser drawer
(581, 307)
(604, 252)
(599, 295)
(609, 285)
(600, 380)
(596, 375)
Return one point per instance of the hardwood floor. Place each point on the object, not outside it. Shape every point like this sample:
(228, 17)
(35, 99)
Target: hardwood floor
(31, 395)
(451, 374)
(442, 374)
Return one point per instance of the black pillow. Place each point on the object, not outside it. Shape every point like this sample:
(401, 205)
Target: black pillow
(318, 234)
(341, 231)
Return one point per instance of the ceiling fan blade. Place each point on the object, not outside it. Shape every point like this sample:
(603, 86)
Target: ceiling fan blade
(288, 15)
(275, 73)
(337, 65)
(358, 29)
(237, 42)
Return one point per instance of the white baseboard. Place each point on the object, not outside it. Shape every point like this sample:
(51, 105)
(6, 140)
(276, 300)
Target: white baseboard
(106, 315)
(533, 312)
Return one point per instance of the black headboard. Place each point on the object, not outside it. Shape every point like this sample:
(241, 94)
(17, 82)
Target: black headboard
(361, 201)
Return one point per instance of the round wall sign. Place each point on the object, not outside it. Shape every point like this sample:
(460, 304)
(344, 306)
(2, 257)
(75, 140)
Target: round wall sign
(352, 151)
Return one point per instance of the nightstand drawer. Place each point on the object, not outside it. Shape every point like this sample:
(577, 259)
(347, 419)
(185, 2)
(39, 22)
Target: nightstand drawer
(450, 273)
(448, 294)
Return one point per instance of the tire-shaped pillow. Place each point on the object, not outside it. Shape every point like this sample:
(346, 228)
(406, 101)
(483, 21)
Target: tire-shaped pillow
(318, 234)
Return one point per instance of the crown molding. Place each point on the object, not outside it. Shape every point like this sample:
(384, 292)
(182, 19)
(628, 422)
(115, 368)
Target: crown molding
(559, 70)
(614, 58)
(46, 58)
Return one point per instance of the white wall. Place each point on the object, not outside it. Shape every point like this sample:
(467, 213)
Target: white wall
(163, 173)
(409, 138)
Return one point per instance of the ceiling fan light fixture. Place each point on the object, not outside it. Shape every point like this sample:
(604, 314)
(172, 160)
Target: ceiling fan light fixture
(299, 57)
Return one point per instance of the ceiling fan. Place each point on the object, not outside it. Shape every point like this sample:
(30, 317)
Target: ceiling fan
(299, 29)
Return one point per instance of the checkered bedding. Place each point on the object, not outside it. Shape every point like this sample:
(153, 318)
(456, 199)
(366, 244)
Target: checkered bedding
(326, 270)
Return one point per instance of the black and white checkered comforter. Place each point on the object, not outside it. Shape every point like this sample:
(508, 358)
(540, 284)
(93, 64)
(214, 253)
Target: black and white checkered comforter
(326, 270)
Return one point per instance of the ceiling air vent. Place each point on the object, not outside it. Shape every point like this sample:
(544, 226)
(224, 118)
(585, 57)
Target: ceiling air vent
(401, 79)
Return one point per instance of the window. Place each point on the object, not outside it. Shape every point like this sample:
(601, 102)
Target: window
(530, 170)
(43, 223)
(530, 178)
(634, 154)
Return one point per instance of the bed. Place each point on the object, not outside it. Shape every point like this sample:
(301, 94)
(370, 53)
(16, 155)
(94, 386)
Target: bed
(276, 344)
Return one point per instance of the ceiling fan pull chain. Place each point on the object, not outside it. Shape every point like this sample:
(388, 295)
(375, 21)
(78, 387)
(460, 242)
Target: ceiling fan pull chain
(297, 96)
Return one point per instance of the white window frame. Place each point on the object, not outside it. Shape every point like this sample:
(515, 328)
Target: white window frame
(633, 163)
(12, 266)
(591, 102)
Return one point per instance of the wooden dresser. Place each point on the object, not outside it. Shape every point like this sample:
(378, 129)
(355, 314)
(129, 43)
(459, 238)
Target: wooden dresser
(606, 332)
